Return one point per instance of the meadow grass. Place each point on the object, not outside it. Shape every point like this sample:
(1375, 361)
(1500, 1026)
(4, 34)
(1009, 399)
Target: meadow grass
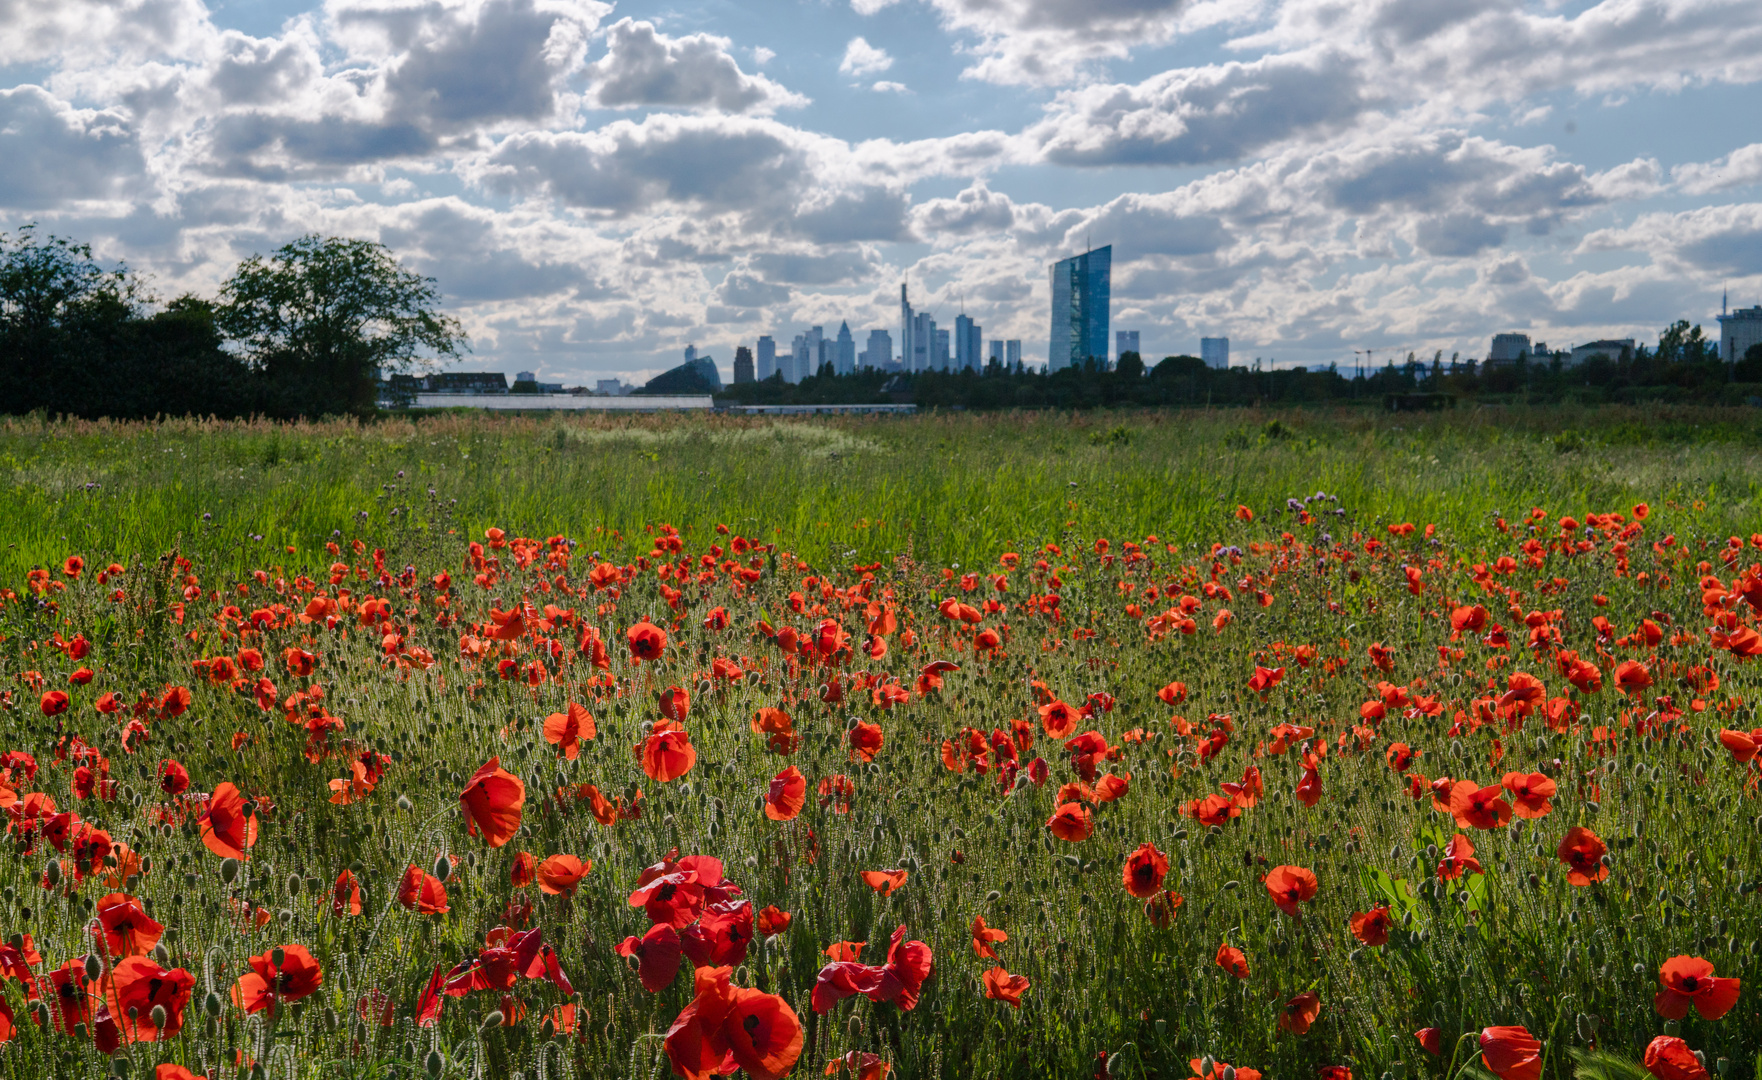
(929, 499)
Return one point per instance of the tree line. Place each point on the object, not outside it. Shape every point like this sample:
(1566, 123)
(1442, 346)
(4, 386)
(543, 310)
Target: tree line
(309, 330)
(1683, 368)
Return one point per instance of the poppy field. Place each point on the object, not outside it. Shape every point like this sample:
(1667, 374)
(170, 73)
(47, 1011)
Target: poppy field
(1218, 747)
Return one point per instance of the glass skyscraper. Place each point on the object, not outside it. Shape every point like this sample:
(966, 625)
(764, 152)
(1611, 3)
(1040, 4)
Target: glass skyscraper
(1081, 286)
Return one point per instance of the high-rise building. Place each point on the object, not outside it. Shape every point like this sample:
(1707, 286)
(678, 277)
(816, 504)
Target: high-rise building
(1125, 341)
(798, 359)
(743, 364)
(1012, 353)
(939, 362)
(690, 353)
(924, 333)
(1081, 290)
(1215, 351)
(1739, 332)
(967, 343)
(995, 353)
(1506, 348)
(879, 354)
(846, 360)
(908, 325)
(767, 359)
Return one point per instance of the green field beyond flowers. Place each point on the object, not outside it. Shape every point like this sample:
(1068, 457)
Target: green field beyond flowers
(1218, 744)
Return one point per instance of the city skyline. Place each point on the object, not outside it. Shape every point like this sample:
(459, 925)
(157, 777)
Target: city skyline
(594, 187)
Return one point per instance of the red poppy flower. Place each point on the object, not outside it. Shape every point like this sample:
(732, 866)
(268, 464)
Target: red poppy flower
(1309, 789)
(983, 936)
(1299, 1013)
(647, 641)
(667, 753)
(1742, 744)
(1372, 927)
(134, 987)
(1333, 1072)
(1476, 807)
(270, 984)
(884, 881)
(1669, 1058)
(865, 741)
(1530, 793)
(54, 702)
(524, 871)
(345, 898)
(493, 799)
(1631, 677)
(726, 1028)
(1582, 851)
(721, 935)
(1212, 810)
(1247, 793)
(565, 730)
(560, 874)
(226, 830)
(657, 956)
(861, 1065)
(422, 893)
(1686, 980)
(675, 704)
(1058, 719)
(788, 794)
(1511, 1052)
(1431, 1039)
(1265, 679)
(1218, 1068)
(1000, 985)
(1458, 859)
(837, 792)
(844, 952)
(1145, 868)
(675, 892)
(773, 921)
(1290, 886)
(1071, 822)
(124, 927)
(908, 964)
(174, 779)
(1232, 960)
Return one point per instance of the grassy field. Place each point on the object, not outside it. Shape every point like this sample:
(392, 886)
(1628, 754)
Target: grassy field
(1290, 638)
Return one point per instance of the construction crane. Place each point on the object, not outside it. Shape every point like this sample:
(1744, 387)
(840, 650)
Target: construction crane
(1370, 362)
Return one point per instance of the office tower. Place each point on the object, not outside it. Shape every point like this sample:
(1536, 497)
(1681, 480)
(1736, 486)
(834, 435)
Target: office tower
(743, 364)
(1125, 341)
(767, 359)
(1012, 353)
(1081, 288)
(798, 359)
(967, 342)
(880, 351)
(809, 363)
(1215, 351)
(939, 361)
(846, 360)
(996, 354)
(908, 324)
(924, 332)
(690, 353)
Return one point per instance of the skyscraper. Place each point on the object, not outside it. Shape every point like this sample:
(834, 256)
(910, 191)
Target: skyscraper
(1125, 341)
(996, 355)
(1215, 351)
(879, 354)
(743, 364)
(810, 363)
(967, 343)
(1012, 353)
(1081, 288)
(923, 354)
(908, 324)
(939, 361)
(798, 359)
(845, 362)
(767, 347)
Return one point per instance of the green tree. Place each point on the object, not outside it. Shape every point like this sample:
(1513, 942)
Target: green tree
(325, 318)
(57, 304)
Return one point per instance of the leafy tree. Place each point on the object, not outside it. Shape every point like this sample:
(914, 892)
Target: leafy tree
(1130, 366)
(56, 303)
(1679, 343)
(1749, 366)
(324, 318)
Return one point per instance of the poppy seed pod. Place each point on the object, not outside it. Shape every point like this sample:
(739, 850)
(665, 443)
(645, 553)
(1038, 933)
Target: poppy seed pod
(295, 882)
(94, 967)
(443, 867)
(229, 870)
(405, 804)
(52, 873)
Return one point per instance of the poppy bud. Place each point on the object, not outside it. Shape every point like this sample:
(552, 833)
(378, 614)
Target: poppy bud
(434, 1063)
(1722, 1066)
(295, 881)
(40, 1012)
(405, 804)
(158, 1016)
(1672, 1028)
(212, 1004)
(1229, 1072)
(161, 955)
(52, 873)
(492, 1021)
(1587, 1029)
(119, 1065)
(229, 870)
(1206, 1065)
(94, 968)
(1398, 1069)
(443, 867)
(1113, 1062)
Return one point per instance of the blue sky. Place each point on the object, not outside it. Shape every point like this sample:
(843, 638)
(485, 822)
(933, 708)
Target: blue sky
(595, 186)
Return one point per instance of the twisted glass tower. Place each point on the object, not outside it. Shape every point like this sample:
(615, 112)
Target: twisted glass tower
(1080, 291)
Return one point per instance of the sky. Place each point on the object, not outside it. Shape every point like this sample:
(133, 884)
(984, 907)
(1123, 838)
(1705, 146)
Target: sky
(595, 186)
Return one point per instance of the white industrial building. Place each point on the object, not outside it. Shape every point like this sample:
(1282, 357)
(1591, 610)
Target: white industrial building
(1739, 331)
